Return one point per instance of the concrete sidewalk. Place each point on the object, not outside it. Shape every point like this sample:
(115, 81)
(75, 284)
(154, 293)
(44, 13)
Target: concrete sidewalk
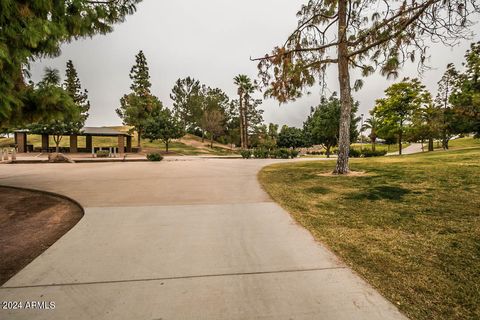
(411, 149)
(192, 239)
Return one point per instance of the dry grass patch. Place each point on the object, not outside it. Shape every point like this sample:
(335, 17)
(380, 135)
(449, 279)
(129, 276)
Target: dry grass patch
(409, 225)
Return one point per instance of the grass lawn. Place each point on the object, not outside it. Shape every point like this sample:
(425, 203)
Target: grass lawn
(410, 225)
(379, 147)
(466, 142)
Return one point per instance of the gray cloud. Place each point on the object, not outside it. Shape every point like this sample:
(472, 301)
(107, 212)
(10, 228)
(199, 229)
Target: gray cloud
(212, 41)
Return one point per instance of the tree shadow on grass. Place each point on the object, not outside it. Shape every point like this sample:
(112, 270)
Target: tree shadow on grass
(317, 190)
(381, 192)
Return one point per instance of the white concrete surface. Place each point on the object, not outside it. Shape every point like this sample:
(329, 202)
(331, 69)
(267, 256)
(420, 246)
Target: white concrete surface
(196, 239)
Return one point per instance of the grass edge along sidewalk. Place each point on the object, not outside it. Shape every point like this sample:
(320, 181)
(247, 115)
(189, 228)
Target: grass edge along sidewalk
(409, 225)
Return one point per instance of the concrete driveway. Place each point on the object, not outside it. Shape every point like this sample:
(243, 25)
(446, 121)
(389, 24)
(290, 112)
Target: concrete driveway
(194, 239)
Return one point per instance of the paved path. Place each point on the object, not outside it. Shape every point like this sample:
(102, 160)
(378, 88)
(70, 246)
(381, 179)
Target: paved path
(195, 239)
(411, 149)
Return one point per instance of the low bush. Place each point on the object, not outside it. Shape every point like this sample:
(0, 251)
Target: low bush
(369, 153)
(282, 153)
(102, 153)
(294, 153)
(154, 157)
(354, 153)
(260, 153)
(246, 154)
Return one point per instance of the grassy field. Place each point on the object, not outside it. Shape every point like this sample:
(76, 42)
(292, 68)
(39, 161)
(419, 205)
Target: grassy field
(467, 142)
(409, 225)
(378, 147)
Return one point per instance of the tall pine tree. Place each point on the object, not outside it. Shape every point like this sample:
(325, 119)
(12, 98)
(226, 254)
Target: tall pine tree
(74, 89)
(366, 35)
(139, 106)
(31, 29)
(52, 95)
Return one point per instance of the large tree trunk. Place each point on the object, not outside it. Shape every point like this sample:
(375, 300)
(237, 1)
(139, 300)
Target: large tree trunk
(430, 144)
(345, 92)
(400, 136)
(166, 145)
(373, 145)
(240, 109)
(57, 140)
(245, 120)
(139, 139)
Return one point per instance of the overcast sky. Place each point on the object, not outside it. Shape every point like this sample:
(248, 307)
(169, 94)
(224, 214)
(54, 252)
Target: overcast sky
(210, 40)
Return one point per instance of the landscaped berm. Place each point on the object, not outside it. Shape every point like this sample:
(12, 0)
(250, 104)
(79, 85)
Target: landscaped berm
(409, 225)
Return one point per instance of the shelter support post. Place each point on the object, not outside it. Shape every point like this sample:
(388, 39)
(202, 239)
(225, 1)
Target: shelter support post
(121, 145)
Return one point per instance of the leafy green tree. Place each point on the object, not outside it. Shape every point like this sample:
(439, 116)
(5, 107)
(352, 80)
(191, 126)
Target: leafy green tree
(71, 122)
(291, 137)
(372, 125)
(187, 101)
(403, 100)
(322, 125)
(139, 106)
(466, 96)
(163, 126)
(213, 103)
(214, 123)
(425, 124)
(74, 88)
(32, 29)
(365, 35)
(448, 119)
(273, 131)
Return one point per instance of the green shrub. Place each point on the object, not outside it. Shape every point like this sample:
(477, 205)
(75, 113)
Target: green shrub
(294, 153)
(367, 153)
(246, 154)
(154, 157)
(102, 153)
(354, 153)
(260, 153)
(283, 153)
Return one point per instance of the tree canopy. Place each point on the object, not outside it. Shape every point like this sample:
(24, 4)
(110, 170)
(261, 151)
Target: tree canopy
(163, 126)
(323, 123)
(291, 137)
(466, 95)
(367, 35)
(403, 100)
(139, 106)
(33, 29)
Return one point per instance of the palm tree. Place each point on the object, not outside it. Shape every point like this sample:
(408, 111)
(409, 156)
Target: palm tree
(372, 124)
(245, 88)
(51, 77)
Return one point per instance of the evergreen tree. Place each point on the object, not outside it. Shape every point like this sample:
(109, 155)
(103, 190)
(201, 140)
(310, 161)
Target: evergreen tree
(466, 96)
(139, 106)
(54, 96)
(291, 137)
(163, 126)
(187, 101)
(365, 35)
(31, 29)
(74, 88)
(323, 123)
(442, 101)
(397, 110)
